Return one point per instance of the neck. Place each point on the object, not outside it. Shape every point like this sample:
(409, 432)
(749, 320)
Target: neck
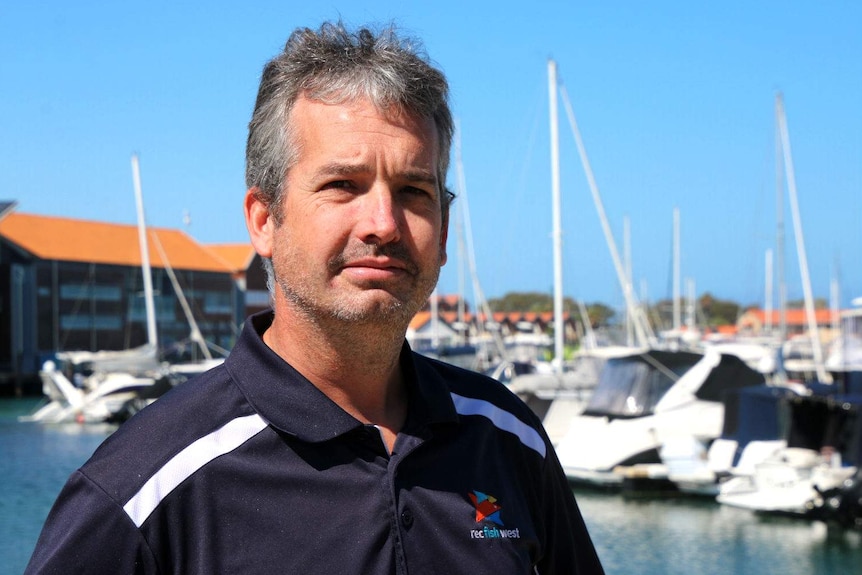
(356, 365)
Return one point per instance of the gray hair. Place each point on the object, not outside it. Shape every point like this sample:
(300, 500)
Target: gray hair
(334, 65)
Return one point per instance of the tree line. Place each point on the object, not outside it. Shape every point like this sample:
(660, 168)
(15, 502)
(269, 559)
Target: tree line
(710, 311)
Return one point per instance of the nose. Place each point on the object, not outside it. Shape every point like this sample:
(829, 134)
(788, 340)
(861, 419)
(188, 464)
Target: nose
(380, 216)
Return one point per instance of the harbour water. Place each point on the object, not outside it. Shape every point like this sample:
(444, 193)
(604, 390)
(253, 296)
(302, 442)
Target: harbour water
(632, 536)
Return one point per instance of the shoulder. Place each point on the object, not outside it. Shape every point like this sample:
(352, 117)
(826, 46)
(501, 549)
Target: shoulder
(477, 395)
(466, 383)
(142, 445)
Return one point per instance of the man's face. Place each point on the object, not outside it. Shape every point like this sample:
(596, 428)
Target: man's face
(362, 235)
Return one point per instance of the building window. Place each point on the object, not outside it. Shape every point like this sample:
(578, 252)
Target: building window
(98, 322)
(257, 298)
(91, 292)
(217, 302)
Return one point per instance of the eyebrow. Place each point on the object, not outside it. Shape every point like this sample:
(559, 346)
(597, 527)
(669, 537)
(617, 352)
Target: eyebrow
(417, 175)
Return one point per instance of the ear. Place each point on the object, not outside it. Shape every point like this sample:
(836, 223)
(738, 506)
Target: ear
(444, 235)
(259, 222)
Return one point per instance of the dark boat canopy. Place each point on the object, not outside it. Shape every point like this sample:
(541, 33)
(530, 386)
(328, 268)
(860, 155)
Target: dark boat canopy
(730, 373)
(756, 413)
(832, 420)
(631, 386)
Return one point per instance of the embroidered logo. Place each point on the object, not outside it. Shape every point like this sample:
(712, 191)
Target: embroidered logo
(488, 511)
(486, 507)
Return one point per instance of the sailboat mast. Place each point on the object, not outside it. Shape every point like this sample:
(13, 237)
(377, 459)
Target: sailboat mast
(627, 253)
(835, 304)
(435, 320)
(557, 233)
(800, 245)
(768, 295)
(677, 320)
(643, 332)
(483, 315)
(463, 334)
(149, 299)
(779, 237)
(690, 306)
(196, 335)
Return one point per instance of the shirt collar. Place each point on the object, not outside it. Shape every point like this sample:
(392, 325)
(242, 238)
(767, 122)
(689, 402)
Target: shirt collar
(292, 404)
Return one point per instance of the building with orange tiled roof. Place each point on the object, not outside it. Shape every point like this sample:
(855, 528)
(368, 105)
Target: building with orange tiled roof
(756, 321)
(69, 284)
(509, 323)
(525, 334)
(248, 273)
(70, 240)
(238, 257)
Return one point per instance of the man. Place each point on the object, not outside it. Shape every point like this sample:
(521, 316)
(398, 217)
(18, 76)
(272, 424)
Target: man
(323, 444)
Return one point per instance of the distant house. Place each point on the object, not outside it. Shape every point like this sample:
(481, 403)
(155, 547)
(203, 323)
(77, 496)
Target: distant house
(530, 328)
(69, 284)
(424, 333)
(756, 321)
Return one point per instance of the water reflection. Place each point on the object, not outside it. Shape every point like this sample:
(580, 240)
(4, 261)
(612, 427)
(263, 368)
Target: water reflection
(36, 461)
(694, 536)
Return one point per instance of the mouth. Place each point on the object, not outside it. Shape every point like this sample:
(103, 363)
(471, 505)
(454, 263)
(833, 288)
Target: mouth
(376, 269)
(383, 263)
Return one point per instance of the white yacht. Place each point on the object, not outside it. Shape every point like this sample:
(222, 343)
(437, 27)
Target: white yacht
(752, 431)
(643, 401)
(821, 452)
(557, 397)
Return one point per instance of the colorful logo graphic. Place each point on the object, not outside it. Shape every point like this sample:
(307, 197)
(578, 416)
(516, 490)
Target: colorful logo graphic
(488, 513)
(486, 507)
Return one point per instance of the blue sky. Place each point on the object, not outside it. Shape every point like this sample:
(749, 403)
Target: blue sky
(675, 102)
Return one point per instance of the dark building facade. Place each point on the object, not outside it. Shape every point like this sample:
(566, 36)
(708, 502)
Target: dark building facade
(91, 297)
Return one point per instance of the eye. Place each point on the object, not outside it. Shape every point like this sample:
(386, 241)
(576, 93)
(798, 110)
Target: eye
(414, 191)
(337, 184)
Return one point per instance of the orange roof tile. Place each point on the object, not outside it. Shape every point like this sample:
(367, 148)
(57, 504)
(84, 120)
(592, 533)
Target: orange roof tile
(450, 317)
(237, 256)
(727, 329)
(794, 316)
(66, 239)
(420, 319)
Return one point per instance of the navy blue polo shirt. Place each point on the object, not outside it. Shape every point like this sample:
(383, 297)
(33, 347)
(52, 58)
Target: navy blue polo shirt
(249, 468)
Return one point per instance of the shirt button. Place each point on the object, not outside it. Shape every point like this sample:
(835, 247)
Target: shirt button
(407, 518)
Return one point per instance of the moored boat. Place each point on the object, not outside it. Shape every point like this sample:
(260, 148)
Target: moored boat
(823, 451)
(642, 401)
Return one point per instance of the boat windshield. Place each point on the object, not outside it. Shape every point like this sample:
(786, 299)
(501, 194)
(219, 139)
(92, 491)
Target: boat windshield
(632, 386)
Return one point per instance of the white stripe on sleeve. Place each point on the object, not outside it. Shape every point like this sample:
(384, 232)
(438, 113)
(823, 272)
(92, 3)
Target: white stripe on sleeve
(185, 463)
(501, 419)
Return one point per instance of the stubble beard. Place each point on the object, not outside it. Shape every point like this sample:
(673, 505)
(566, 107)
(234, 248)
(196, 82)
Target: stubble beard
(392, 310)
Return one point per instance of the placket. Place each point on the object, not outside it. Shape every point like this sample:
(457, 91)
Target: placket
(403, 516)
